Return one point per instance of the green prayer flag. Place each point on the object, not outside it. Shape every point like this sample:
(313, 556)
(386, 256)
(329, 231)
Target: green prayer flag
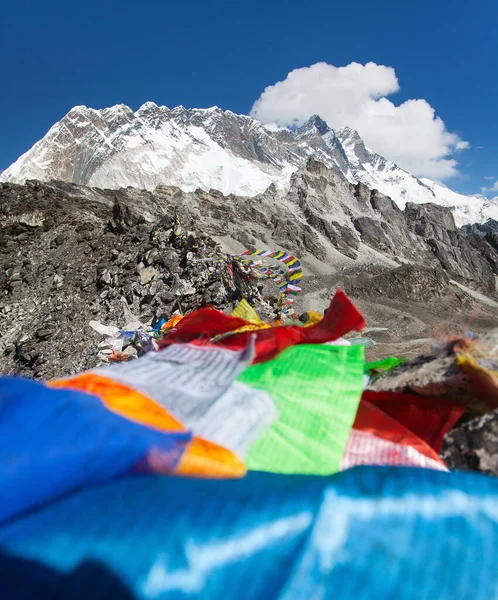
(384, 364)
(316, 389)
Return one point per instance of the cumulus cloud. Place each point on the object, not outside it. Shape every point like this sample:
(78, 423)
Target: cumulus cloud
(273, 127)
(493, 188)
(410, 133)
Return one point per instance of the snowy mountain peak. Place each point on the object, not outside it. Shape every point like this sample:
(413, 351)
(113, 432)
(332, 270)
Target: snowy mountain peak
(77, 110)
(350, 138)
(147, 106)
(210, 148)
(315, 125)
(348, 134)
(118, 110)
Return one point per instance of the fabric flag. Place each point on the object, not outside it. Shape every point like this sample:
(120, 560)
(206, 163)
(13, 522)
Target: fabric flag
(316, 389)
(366, 449)
(245, 328)
(384, 364)
(172, 323)
(175, 389)
(55, 441)
(369, 532)
(207, 323)
(371, 419)
(287, 279)
(313, 317)
(236, 419)
(245, 311)
(194, 384)
(183, 377)
(201, 458)
(428, 418)
(378, 439)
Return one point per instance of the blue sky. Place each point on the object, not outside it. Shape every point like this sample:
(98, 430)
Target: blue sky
(57, 54)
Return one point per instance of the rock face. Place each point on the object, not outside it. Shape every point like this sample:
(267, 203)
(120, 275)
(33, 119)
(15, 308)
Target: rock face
(214, 149)
(460, 256)
(473, 446)
(490, 226)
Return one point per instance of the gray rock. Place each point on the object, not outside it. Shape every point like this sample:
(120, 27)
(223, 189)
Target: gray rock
(426, 375)
(373, 234)
(57, 281)
(45, 333)
(473, 446)
(104, 279)
(58, 240)
(482, 229)
(151, 257)
(147, 275)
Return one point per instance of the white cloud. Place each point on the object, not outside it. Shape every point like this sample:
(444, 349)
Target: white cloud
(491, 178)
(493, 188)
(273, 127)
(409, 134)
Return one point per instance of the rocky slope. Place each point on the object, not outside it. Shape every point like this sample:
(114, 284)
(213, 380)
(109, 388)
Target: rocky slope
(70, 254)
(214, 149)
(335, 226)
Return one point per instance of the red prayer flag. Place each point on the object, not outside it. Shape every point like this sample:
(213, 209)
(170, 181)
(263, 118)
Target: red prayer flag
(429, 418)
(373, 420)
(204, 324)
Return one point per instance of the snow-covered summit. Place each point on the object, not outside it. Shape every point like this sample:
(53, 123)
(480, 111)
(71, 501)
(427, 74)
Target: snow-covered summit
(215, 149)
(315, 125)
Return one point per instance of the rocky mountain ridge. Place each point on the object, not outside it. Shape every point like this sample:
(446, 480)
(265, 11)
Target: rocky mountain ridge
(214, 149)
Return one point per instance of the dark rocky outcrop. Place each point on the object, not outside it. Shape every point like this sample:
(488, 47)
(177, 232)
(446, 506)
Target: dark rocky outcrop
(373, 234)
(458, 255)
(473, 446)
(490, 226)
